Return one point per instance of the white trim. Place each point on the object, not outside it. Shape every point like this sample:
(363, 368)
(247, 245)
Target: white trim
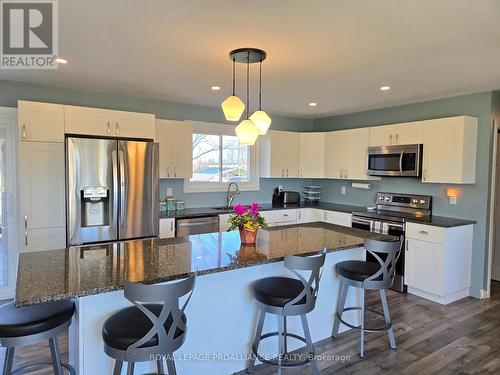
(496, 126)
(211, 187)
(12, 200)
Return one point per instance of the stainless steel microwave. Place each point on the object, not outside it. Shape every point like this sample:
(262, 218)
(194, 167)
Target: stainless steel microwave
(399, 160)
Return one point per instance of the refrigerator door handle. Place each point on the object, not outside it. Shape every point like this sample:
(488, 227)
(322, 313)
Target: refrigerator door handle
(122, 187)
(116, 190)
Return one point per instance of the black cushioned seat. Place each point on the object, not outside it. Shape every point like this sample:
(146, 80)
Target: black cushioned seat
(357, 270)
(129, 325)
(29, 320)
(278, 291)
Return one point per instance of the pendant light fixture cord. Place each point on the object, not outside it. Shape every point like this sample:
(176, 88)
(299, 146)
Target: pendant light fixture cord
(248, 84)
(234, 74)
(260, 85)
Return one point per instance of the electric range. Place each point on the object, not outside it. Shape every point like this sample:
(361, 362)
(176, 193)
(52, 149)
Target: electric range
(389, 217)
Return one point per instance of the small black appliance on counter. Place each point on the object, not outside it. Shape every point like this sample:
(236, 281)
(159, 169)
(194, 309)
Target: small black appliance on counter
(285, 197)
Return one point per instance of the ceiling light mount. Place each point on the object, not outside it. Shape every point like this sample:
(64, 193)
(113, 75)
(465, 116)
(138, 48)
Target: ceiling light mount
(247, 55)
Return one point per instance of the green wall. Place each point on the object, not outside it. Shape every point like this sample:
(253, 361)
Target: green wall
(473, 202)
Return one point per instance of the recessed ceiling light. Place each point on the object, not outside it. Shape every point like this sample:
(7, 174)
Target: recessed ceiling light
(313, 104)
(61, 61)
(215, 88)
(385, 88)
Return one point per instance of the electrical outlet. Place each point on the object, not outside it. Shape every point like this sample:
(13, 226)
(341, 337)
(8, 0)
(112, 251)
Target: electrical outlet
(170, 192)
(280, 187)
(453, 200)
(343, 190)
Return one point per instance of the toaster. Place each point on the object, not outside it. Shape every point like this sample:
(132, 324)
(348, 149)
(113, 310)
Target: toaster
(290, 197)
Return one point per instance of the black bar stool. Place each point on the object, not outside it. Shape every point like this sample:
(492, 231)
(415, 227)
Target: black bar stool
(371, 276)
(31, 324)
(286, 296)
(148, 329)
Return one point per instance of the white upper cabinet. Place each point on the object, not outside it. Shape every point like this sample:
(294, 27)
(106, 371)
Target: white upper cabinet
(175, 141)
(109, 123)
(42, 122)
(134, 124)
(280, 154)
(397, 134)
(88, 121)
(346, 154)
(312, 155)
(450, 150)
(41, 182)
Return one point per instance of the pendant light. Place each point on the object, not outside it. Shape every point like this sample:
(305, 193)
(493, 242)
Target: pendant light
(247, 132)
(233, 107)
(260, 118)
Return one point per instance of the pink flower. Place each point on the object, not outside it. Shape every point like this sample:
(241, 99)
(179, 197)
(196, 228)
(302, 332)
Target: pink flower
(239, 209)
(254, 209)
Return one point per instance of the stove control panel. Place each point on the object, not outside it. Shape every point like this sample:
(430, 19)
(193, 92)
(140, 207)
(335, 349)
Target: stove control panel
(422, 202)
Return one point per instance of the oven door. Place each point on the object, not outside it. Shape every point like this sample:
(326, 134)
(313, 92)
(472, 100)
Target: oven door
(404, 160)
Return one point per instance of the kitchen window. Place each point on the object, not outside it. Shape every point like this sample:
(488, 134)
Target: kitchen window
(218, 159)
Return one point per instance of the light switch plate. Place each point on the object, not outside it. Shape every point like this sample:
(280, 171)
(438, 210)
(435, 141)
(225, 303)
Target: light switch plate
(343, 190)
(170, 192)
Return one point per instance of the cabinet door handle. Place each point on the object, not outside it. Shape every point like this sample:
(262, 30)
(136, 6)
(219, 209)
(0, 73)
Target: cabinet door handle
(172, 226)
(300, 215)
(282, 172)
(175, 173)
(397, 138)
(424, 175)
(117, 128)
(109, 128)
(168, 171)
(26, 238)
(287, 172)
(300, 172)
(390, 139)
(25, 221)
(345, 173)
(424, 232)
(24, 131)
(341, 172)
(285, 215)
(324, 215)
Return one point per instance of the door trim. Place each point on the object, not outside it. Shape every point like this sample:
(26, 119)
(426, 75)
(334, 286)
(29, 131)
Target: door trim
(12, 203)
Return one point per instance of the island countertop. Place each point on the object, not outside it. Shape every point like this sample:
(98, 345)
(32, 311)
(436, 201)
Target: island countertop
(54, 275)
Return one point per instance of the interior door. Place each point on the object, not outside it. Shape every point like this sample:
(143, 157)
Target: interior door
(138, 203)
(8, 220)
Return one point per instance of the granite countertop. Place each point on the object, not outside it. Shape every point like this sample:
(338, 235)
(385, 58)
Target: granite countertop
(438, 221)
(53, 275)
(212, 211)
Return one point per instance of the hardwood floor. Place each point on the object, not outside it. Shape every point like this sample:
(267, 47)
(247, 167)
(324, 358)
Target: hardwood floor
(461, 338)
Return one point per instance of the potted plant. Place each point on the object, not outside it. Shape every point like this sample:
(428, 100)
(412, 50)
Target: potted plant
(248, 220)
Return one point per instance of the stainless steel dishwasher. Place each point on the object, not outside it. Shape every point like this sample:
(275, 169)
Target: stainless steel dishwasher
(196, 225)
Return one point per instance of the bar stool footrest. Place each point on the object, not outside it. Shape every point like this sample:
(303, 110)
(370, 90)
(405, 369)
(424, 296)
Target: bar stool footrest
(40, 365)
(385, 327)
(284, 362)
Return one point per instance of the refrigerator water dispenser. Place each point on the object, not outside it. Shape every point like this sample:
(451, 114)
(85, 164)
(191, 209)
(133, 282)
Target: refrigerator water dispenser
(95, 206)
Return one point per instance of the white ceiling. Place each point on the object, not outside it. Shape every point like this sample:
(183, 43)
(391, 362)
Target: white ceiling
(336, 53)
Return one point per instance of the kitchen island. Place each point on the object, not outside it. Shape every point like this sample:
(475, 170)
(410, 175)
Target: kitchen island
(221, 313)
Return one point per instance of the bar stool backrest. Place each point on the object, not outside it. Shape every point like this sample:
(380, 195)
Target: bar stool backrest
(384, 277)
(313, 264)
(169, 296)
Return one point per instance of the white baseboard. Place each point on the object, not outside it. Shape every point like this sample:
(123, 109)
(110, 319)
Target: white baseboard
(443, 300)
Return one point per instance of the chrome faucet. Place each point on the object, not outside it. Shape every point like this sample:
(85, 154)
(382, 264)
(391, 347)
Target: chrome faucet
(230, 194)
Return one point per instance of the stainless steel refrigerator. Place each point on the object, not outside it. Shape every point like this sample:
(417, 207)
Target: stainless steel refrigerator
(111, 190)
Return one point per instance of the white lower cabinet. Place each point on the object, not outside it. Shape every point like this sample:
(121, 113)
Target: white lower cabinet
(223, 224)
(276, 218)
(309, 215)
(438, 262)
(167, 228)
(43, 239)
(338, 218)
